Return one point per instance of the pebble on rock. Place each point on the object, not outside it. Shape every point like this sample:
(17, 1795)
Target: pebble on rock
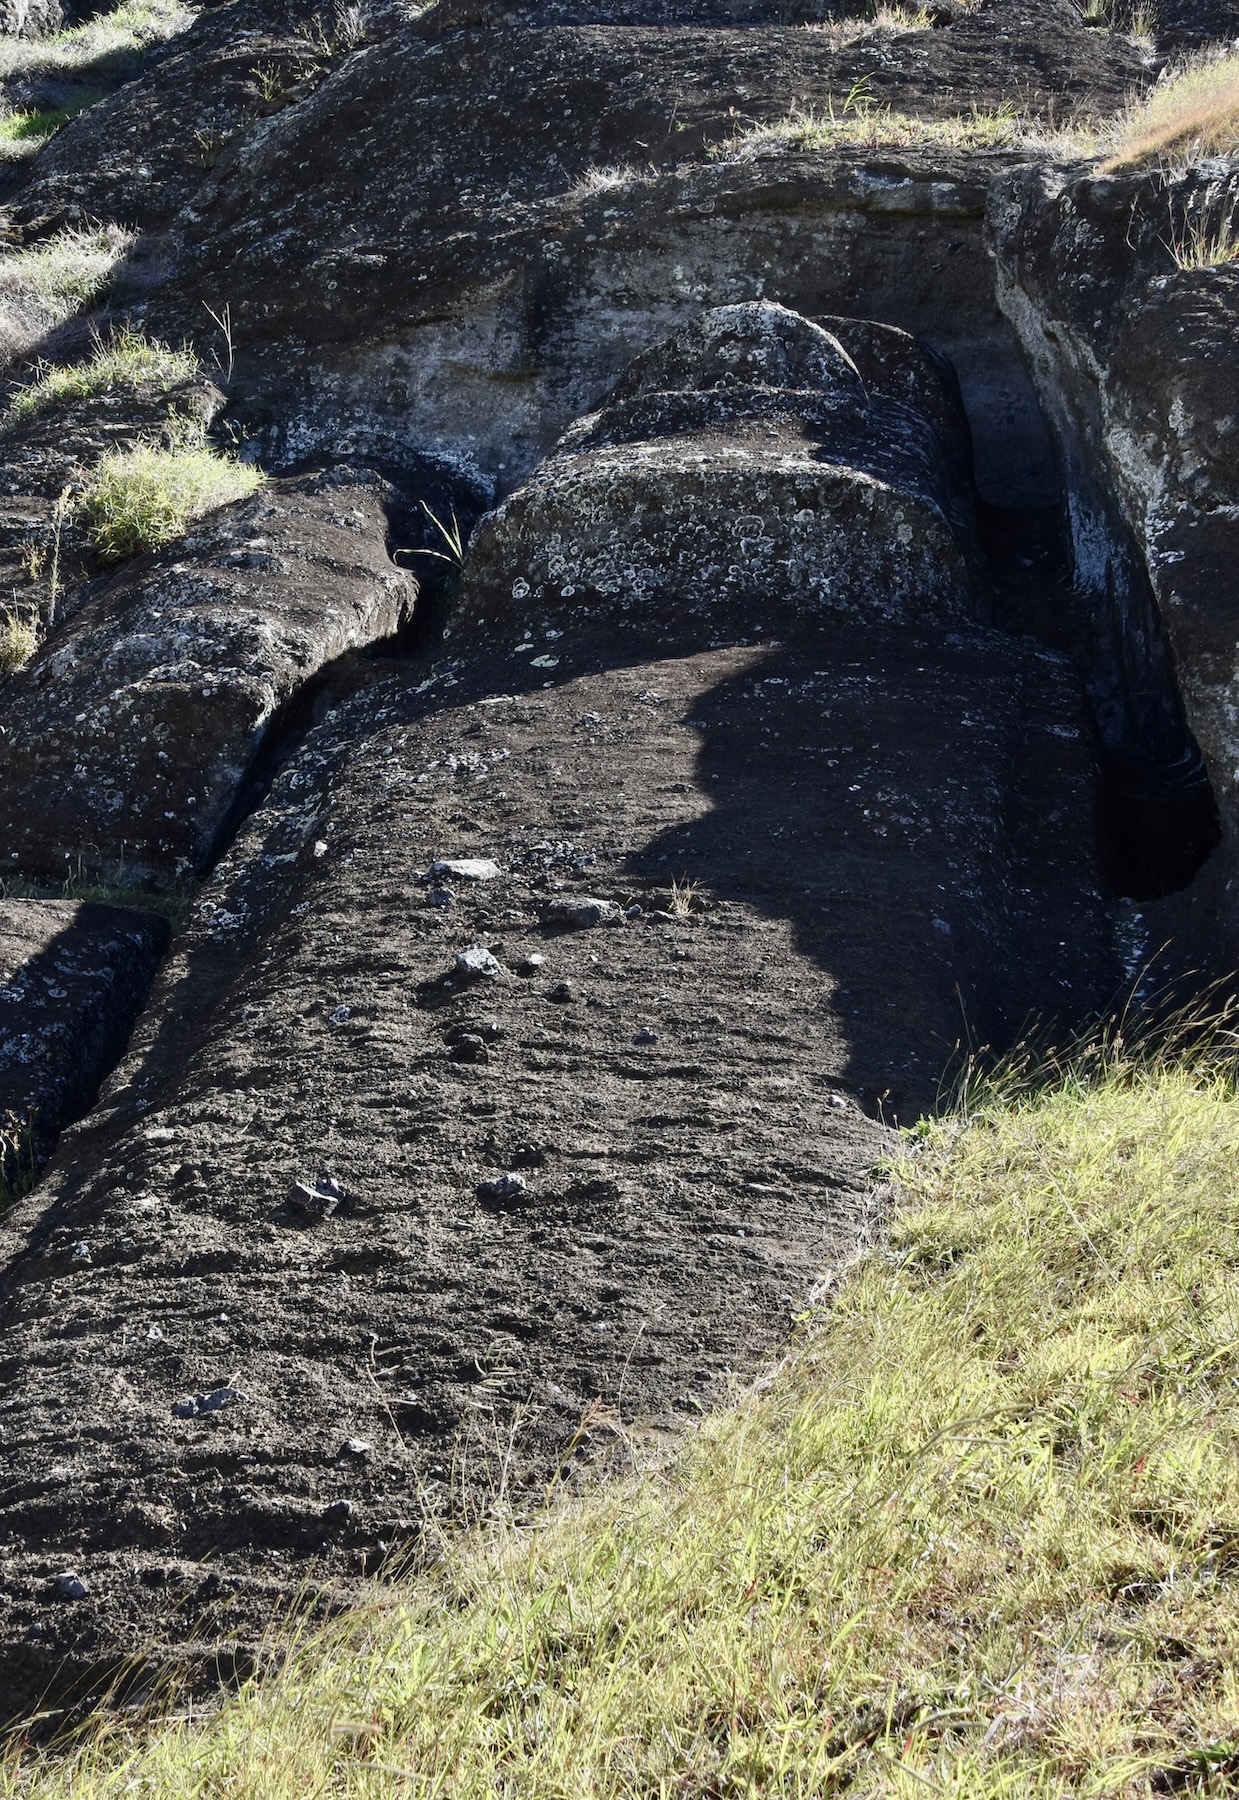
(502, 1187)
(319, 1201)
(475, 963)
(193, 1406)
(578, 912)
(466, 868)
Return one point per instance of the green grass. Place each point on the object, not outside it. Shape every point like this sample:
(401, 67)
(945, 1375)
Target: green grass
(101, 42)
(976, 1535)
(22, 133)
(127, 361)
(144, 498)
(172, 903)
(63, 272)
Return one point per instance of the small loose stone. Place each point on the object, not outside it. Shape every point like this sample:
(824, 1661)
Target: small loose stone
(475, 963)
(502, 1187)
(194, 1406)
(466, 868)
(318, 1201)
(579, 912)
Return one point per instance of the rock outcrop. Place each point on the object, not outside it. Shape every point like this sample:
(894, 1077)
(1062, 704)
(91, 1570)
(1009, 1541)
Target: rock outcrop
(31, 18)
(128, 738)
(554, 976)
(747, 476)
(1134, 357)
(827, 864)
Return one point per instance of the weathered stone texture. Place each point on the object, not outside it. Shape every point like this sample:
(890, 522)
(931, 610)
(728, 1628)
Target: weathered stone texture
(742, 477)
(127, 739)
(1136, 362)
(72, 978)
(887, 840)
(31, 18)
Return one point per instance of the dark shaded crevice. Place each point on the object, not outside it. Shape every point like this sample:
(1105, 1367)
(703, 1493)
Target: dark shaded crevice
(430, 520)
(429, 507)
(329, 687)
(1159, 822)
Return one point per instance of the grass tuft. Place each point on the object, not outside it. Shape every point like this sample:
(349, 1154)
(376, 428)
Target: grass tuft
(19, 638)
(26, 130)
(888, 20)
(65, 271)
(105, 40)
(144, 498)
(974, 1536)
(1189, 115)
(127, 360)
(1207, 241)
(859, 120)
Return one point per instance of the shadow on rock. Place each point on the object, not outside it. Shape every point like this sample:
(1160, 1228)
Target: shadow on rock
(924, 812)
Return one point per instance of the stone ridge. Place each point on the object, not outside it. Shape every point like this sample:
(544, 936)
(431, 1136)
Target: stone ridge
(130, 735)
(742, 479)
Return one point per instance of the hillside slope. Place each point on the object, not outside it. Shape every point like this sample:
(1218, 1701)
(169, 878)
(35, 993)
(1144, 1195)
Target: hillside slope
(636, 580)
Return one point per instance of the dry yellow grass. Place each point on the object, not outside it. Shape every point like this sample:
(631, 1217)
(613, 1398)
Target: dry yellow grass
(976, 1536)
(19, 638)
(1190, 115)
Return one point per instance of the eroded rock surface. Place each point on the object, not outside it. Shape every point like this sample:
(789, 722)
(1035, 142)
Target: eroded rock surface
(750, 474)
(557, 197)
(530, 1046)
(127, 739)
(73, 976)
(844, 854)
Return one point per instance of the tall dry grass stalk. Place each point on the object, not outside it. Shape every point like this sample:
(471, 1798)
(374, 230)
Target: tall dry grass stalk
(1190, 115)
